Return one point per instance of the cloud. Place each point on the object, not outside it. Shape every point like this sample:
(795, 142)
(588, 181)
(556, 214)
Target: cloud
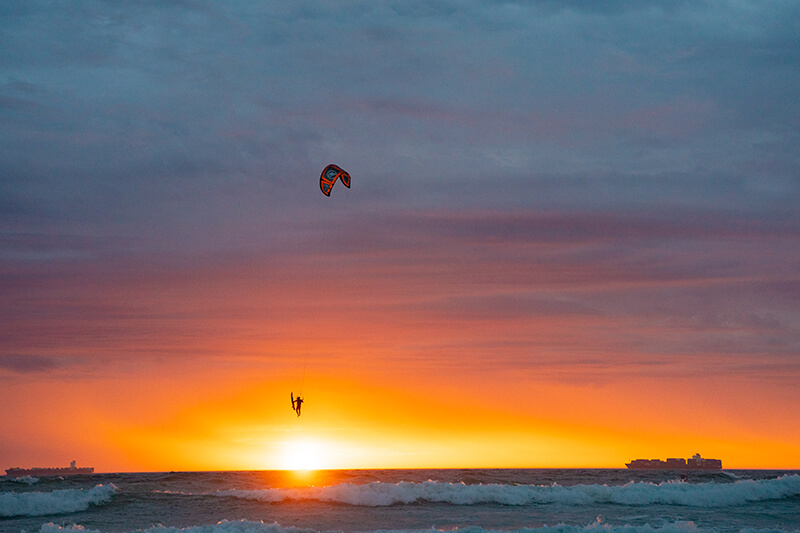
(146, 95)
(28, 364)
(618, 162)
(40, 247)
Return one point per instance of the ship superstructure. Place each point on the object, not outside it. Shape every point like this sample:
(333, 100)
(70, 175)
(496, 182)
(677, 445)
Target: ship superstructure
(695, 463)
(70, 470)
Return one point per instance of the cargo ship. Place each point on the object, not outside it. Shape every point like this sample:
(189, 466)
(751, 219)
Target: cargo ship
(695, 463)
(70, 470)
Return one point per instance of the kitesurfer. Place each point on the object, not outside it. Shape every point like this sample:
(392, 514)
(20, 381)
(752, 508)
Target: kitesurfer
(296, 403)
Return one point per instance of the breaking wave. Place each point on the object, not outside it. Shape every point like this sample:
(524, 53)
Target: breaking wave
(54, 502)
(669, 493)
(26, 480)
(245, 526)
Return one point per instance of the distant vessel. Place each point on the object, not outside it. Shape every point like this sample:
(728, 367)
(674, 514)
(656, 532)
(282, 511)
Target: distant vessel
(695, 463)
(71, 470)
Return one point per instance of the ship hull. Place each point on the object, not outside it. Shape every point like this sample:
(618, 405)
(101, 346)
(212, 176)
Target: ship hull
(695, 463)
(664, 467)
(43, 472)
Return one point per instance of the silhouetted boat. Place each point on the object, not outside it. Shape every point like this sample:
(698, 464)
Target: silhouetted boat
(71, 470)
(695, 463)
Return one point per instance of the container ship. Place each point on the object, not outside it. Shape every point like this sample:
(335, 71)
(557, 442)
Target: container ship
(71, 470)
(695, 463)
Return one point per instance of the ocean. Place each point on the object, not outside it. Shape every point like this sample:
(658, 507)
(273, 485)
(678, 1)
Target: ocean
(473, 501)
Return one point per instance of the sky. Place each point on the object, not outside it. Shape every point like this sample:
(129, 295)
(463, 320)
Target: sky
(571, 239)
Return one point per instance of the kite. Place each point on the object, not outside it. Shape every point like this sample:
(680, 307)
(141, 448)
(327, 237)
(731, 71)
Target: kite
(329, 177)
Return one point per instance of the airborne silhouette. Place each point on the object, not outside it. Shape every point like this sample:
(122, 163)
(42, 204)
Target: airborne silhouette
(296, 403)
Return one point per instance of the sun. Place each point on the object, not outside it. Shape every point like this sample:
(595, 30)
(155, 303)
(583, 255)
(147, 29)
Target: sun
(303, 454)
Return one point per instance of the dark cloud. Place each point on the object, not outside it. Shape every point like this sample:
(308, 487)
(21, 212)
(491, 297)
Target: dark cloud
(619, 162)
(499, 306)
(194, 94)
(25, 364)
(37, 247)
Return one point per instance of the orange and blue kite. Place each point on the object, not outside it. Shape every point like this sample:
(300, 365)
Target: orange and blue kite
(329, 177)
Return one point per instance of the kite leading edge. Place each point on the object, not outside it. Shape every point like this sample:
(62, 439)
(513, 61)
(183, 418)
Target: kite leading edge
(329, 177)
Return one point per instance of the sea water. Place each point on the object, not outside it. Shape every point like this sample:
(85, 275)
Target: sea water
(475, 501)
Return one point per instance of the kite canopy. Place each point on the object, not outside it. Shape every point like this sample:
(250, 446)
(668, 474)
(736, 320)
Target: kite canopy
(329, 177)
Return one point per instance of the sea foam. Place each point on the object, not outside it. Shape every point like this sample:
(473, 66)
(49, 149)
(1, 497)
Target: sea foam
(26, 480)
(245, 526)
(54, 502)
(225, 526)
(669, 493)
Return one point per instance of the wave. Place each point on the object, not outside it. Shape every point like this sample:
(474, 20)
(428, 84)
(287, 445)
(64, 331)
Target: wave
(26, 480)
(54, 502)
(245, 526)
(379, 494)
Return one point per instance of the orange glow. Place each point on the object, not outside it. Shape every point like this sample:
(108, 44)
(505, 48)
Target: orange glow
(384, 388)
(304, 454)
(239, 423)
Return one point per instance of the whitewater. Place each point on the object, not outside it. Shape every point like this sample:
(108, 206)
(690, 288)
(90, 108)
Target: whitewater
(394, 501)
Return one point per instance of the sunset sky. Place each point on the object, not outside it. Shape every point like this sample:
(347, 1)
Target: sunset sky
(572, 237)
